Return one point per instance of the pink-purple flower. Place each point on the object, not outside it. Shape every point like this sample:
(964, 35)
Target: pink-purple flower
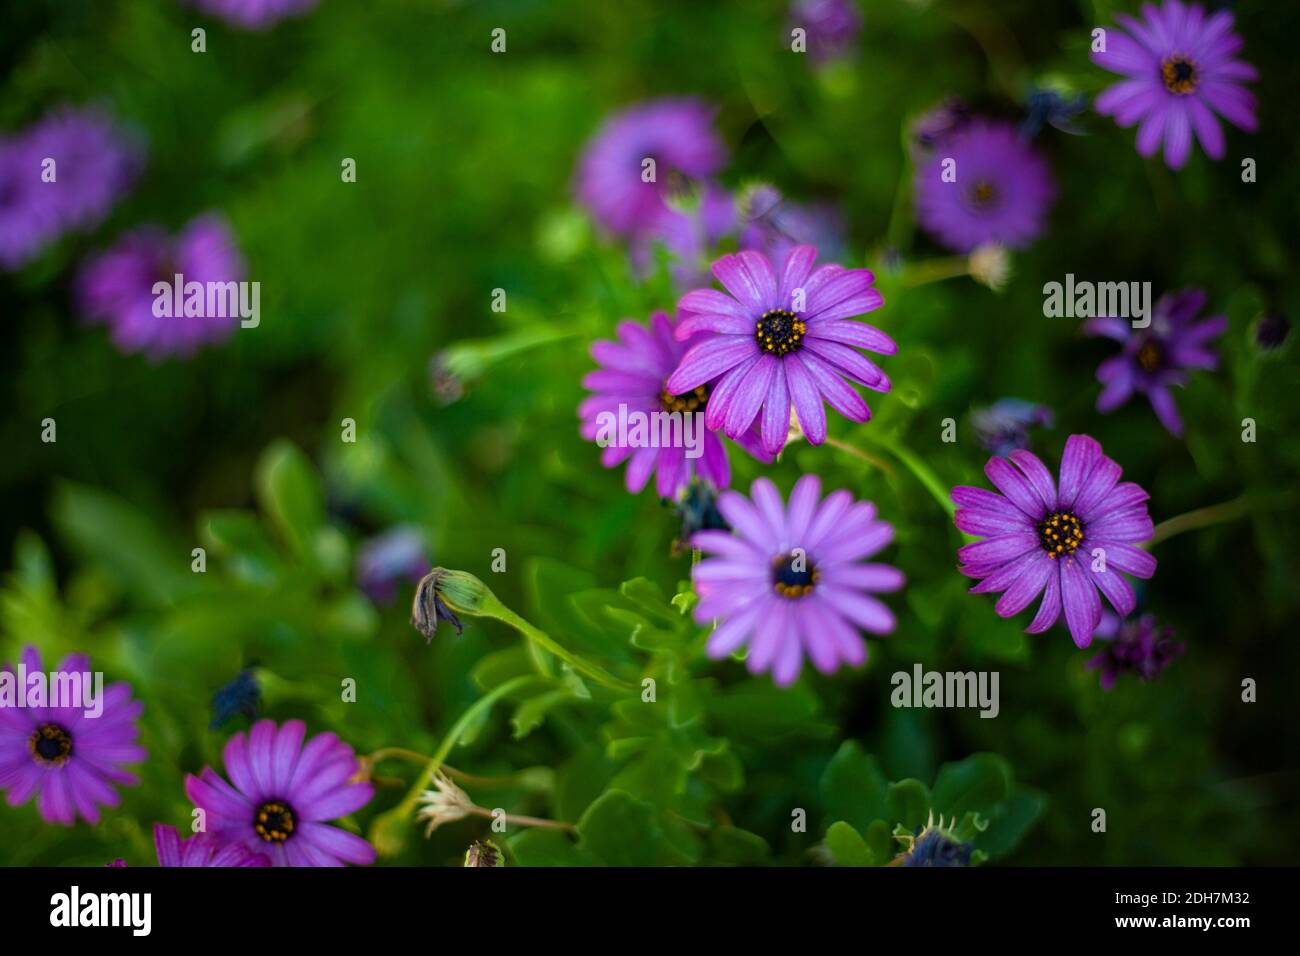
(116, 287)
(201, 850)
(1157, 358)
(791, 582)
(831, 28)
(615, 181)
(283, 795)
(64, 173)
(1180, 70)
(780, 340)
(1137, 646)
(1069, 541)
(67, 756)
(984, 183)
(254, 14)
(633, 376)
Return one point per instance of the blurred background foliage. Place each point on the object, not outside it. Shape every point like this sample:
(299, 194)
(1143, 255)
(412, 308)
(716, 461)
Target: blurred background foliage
(464, 164)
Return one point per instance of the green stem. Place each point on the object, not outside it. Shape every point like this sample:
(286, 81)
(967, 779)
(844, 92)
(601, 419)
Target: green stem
(500, 612)
(935, 270)
(1210, 515)
(458, 729)
(924, 474)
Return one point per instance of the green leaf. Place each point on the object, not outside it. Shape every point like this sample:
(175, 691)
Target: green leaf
(979, 782)
(853, 788)
(620, 830)
(909, 803)
(1009, 823)
(738, 847)
(289, 491)
(542, 847)
(530, 714)
(847, 846)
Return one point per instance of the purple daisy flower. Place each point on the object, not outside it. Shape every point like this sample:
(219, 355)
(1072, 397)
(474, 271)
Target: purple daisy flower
(386, 560)
(70, 759)
(95, 164)
(1137, 646)
(832, 28)
(789, 581)
(27, 217)
(201, 850)
(778, 341)
(1000, 191)
(1159, 356)
(254, 14)
(676, 133)
(689, 235)
(1179, 72)
(774, 225)
(1066, 542)
(633, 374)
(116, 287)
(282, 795)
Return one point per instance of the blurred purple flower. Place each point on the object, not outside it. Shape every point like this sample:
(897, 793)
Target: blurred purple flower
(95, 163)
(1179, 71)
(790, 581)
(832, 28)
(1003, 427)
(633, 374)
(777, 342)
(937, 126)
(1272, 330)
(774, 225)
(283, 794)
(70, 759)
(690, 233)
(1159, 356)
(1067, 542)
(1049, 108)
(1136, 646)
(116, 286)
(999, 189)
(676, 133)
(201, 850)
(389, 559)
(253, 14)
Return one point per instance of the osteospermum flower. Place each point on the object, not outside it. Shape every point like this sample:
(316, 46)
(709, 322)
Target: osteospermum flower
(781, 340)
(71, 760)
(997, 188)
(386, 561)
(1004, 426)
(254, 14)
(789, 582)
(1158, 357)
(1180, 71)
(201, 850)
(94, 160)
(116, 287)
(282, 795)
(1067, 540)
(27, 217)
(633, 374)
(832, 27)
(773, 225)
(1138, 646)
(612, 179)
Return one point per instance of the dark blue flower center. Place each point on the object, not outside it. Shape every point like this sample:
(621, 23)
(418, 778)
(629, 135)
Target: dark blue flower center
(274, 821)
(1060, 533)
(51, 744)
(1179, 73)
(779, 332)
(793, 575)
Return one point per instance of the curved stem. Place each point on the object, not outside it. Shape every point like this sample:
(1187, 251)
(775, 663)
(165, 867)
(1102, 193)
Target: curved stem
(856, 452)
(545, 641)
(1200, 518)
(924, 474)
(524, 821)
